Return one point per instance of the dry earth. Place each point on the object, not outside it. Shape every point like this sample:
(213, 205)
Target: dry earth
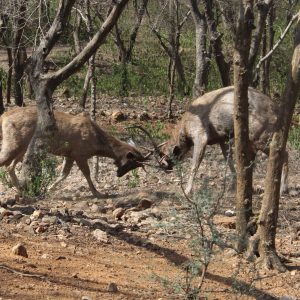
(79, 248)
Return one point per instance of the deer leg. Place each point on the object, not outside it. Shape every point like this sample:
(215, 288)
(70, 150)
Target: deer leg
(284, 175)
(227, 153)
(12, 174)
(198, 152)
(84, 167)
(66, 169)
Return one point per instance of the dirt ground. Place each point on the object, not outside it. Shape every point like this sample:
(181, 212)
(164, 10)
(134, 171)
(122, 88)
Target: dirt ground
(79, 248)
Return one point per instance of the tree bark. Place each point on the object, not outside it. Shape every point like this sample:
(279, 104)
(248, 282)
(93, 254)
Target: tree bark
(1, 95)
(18, 53)
(202, 61)
(241, 120)
(264, 239)
(9, 75)
(44, 84)
(216, 43)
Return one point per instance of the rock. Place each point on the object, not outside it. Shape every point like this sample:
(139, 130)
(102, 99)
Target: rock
(37, 214)
(144, 116)
(49, 219)
(228, 222)
(286, 297)
(230, 213)
(40, 229)
(20, 250)
(293, 273)
(118, 116)
(85, 297)
(144, 204)
(112, 288)
(6, 202)
(4, 212)
(118, 213)
(293, 192)
(100, 235)
(95, 208)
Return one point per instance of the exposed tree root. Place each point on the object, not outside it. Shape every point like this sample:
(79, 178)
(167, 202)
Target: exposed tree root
(264, 256)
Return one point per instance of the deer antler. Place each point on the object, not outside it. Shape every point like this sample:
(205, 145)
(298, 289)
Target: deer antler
(162, 156)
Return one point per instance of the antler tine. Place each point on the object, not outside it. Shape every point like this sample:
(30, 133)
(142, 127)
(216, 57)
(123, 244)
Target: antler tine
(148, 134)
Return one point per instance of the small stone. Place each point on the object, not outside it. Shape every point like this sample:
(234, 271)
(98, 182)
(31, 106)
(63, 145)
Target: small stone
(100, 235)
(293, 272)
(286, 297)
(40, 229)
(86, 298)
(112, 288)
(118, 213)
(4, 212)
(144, 116)
(49, 219)
(117, 116)
(37, 214)
(293, 193)
(230, 213)
(95, 208)
(20, 250)
(144, 204)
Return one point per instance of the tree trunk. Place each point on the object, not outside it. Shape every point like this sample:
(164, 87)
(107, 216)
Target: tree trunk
(264, 239)
(76, 38)
(202, 63)
(18, 54)
(1, 95)
(44, 84)
(241, 121)
(216, 43)
(9, 75)
(86, 85)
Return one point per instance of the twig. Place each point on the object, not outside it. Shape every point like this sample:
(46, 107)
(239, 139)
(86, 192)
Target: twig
(24, 274)
(282, 36)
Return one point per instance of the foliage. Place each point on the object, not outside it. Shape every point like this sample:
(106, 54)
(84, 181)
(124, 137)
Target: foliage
(134, 179)
(4, 178)
(205, 240)
(294, 137)
(39, 185)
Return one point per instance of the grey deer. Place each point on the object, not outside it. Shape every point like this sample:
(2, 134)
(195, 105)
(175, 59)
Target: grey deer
(209, 120)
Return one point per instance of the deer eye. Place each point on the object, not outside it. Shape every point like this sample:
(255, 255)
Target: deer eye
(130, 155)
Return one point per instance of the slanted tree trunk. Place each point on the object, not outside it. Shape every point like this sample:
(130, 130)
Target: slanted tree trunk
(44, 84)
(241, 119)
(18, 53)
(202, 61)
(216, 44)
(263, 242)
(9, 75)
(1, 95)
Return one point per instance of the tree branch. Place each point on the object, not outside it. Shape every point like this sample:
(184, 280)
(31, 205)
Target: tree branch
(282, 36)
(90, 48)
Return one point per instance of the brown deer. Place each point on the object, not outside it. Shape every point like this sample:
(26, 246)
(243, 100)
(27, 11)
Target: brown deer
(209, 120)
(77, 139)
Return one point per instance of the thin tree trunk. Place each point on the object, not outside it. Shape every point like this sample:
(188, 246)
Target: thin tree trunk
(172, 70)
(241, 120)
(216, 43)
(9, 75)
(18, 52)
(1, 96)
(76, 38)
(264, 239)
(202, 63)
(85, 88)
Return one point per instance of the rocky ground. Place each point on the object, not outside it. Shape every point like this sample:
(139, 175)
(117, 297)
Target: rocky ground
(137, 241)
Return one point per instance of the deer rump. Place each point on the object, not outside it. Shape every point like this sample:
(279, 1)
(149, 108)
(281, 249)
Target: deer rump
(77, 139)
(209, 120)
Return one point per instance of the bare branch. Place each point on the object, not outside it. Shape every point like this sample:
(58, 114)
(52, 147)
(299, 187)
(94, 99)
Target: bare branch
(281, 38)
(90, 48)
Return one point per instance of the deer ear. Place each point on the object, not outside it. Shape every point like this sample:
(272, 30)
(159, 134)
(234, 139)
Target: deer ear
(176, 151)
(130, 155)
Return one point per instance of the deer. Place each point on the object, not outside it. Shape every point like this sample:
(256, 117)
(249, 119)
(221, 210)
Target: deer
(209, 120)
(78, 138)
